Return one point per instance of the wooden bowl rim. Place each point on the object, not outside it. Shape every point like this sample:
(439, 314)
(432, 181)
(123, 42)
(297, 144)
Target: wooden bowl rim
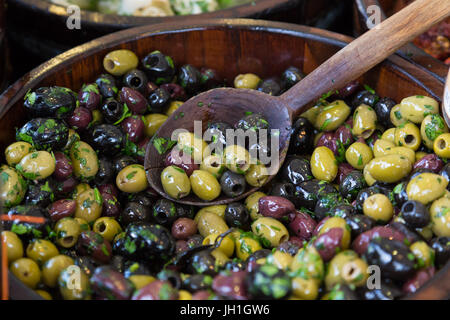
(17, 90)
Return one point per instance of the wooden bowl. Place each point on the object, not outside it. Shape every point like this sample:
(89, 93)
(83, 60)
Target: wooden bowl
(4, 59)
(231, 47)
(410, 51)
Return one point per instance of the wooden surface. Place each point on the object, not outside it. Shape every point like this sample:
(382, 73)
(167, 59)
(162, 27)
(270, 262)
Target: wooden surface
(231, 47)
(410, 51)
(446, 100)
(4, 70)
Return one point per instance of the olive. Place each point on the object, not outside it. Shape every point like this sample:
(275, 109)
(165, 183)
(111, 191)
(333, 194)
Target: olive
(107, 139)
(89, 96)
(175, 182)
(164, 212)
(343, 170)
(61, 209)
(94, 245)
(80, 119)
(189, 78)
(112, 110)
(40, 194)
(217, 132)
(86, 264)
(295, 170)
(341, 292)
(275, 207)
(290, 77)
(190, 144)
(365, 97)
(158, 100)
(270, 229)
(378, 207)
(107, 227)
(173, 277)
(416, 108)
(195, 241)
(386, 291)
(63, 167)
(177, 94)
(132, 179)
(37, 165)
(236, 215)
(202, 262)
(107, 85)
(332, 116)
(363, 194)
(289, 247)
(135, 212)
(135, 79)
(133, 100)
(323, 164)
(179, 160)
(159, 67)
(14, 246)
(431, 162)
(156, 290)
(441, 247)
(253, 121)
(106, 283)
(44, 133)
(122, 161)
(27, 271)
(267, 282)
(432, 126)
(131, 268)
(307, 192)
(270, 86)
(344, 135)
(302, 225)
(383, 110)
(68, 292)
(53, 267)
(111, 206)
(285, 190)
(55, 102)
(441, 145)
(89, 205)
(232, 184)
(325, 204)
(359, 223)
(358, 155)
(426, 187)
(197, 282)
(343, 211)
(415, 214)
(210, 78)
(205, 185)
(346, 268)
(119, 62)
(183, 228)
(133, 127)
(393, 257)
(64, 188)
(41, 250)
(329, 140)
(27, 230)
(16, 151)
(348, 89)
(410, 234)
(105, 172)
(302, 138)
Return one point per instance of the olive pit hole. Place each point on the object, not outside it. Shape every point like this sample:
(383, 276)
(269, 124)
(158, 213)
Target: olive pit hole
(441, 144)
(109, 64)
(410, 139)
(135, 82)
(409, 207)
(101, 227)
(68, 239)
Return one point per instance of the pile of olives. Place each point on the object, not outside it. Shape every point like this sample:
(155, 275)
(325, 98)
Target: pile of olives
(365, 183)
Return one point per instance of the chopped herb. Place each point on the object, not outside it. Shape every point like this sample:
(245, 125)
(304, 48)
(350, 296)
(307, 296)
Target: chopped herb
(163, 144)
(247, 113)
(325, 124)
(360, 160)
(369, 89)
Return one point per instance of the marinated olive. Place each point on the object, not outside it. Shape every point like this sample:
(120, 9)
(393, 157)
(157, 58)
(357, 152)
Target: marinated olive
(89, 205)
(233, 184)
(14, 246)
(236, 215)
(415, 214)
(204, 185)
(364, 121)
(358, 155)
(236, 159)
(107, 139)
(55, 102)
(432, 126)
(213, 164)
(175, 182)
(44, 133)
(107, 85)
(246, 81)
(152, 123)
(37, 165)
(426, 187)
(332, 116)
(441, 145)
(440, 217)
(119, 62)
(16, 151)
(323, 164)
(302, 137)
(53, 267)
(67, 232)
(378, 207)
(132, 179)
(390, 168)
(107, 227)
(416, 108)
(159, 67)
(84, 160)
(27, 271)
(352, 184)
(192, 145)
(12, 187)
(383, 110)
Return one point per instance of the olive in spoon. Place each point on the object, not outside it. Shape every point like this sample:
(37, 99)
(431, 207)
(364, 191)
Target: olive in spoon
(230, 104)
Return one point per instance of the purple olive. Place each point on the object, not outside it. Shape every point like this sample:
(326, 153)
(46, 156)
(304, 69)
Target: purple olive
(344, 135)
(150, 88)
(183, 228)
(63, 167)
(275, 207)
(176, 91)
(431, 162)
(142, 147)
(89, 96)
(302, 225)
(370, 141)
(95, 246)
(319, 226)
(134, 100)
(110, 284)
(181, 246)
(343, 170)
(360, 244)
(328, 140)
(133, 127)
(418, 280)
(328, 243)
(182, 161)
(80, 119)
(348, 89)
(108, 188)
(156, 290)
(66, 186)
(231, 286)
(61, 209)
(111, 206)
(202, 295)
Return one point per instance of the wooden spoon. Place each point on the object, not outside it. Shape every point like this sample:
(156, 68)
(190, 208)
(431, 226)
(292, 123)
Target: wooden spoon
(446, 100)
(230, 104)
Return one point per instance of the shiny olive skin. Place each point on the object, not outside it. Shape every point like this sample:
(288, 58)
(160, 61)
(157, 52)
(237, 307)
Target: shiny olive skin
(290, 77)
(54, 102)
(254, 122)
(364, 97)
(430, 161)
(107, 85)
(158, 67)
(41, 250)
(107, 139)
(134, 100)
(152, 123)
(217, 132)
(432, 126)
(12, 186)
(270, 86)
(14, 246)
(378, 207)
(246, 81)
(270, 229)
(133, 127)
(441, 247)
(440, 219)
(135, 212)
(358, 155)
(175, 182)
(173, 158)
(332, 116)
(52, 269)
(165, 212)
(236, 215)
(302, 225)
(119, 62)
(183, 228)
(302, 138)
(89, 205)
(135, 79)
(27, 271)
(80, 119)
(84, 160)
(327, 139)
(306, 193)
(383, 110)
(106, 283)
(94, 245)
(344, 135)
(16, 151)
(209, 222)
(62, 208)
(81, 292)
(285, 190)
(363, 194)
(275, 207)
(389, 168)
(189, 78)
(44, 133)
(107, 227)
(122, 161)
(415, 108)
(89, 96)
(352, 184)
(112, 110)
(63, 167)
(267, 282)
(323, 164)
(441, 145)
(132, 179)
(415, 214)
(295, 170)
(426, 187)
(346, 268)
(28, 230)
(37, 165)
(233, 184)
(105, 173)
(325, 203)
(359, 223)
(364, 121)
(205, 185)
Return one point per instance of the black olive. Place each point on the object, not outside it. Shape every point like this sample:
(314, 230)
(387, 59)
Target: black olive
(159, 67)
(158, 99)
(441, 247)
(409, 234)
(135, 268)
(268, 282)
(164, 212)
(393, 257)
(135, 79)
(289, 247)
(44, 133)
(236, 215)
(363, 194)
(112, 110)
(86, 264)
(343, 210)
(308, 192)
(144, 198)
(197, 282)
(107, 85)
(254, 121)
(352, 184)
(54, 102)
(210, 79)
(172, 276)
(445, 172)
(202, 262)
(295, 170)
(40, 194)
(89, 96)
(117, 262)
(364, 97)
(259, 254)
(399, 193)
(149, 242)
(232, 183)
(270, 86)
(383, 110)
(107, 139)
(324, 205)
(185, 211)
(234, 265)
(119, 249)
(105, 173)
(189, 78)
(359, 223)
(283, 189)
(302, 138)
(290, 77)
(385, 292)
(121, 162)
(28, 230)
(415, 214)
(135, 212)
(216, 132)
(195, 241)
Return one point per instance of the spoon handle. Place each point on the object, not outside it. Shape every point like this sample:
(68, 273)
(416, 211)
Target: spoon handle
(446, 100)
(366, 51)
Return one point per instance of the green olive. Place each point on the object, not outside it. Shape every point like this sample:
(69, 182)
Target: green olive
(97, 117)
(107, 227)
(397, 118)
(119, 62)
(245, 246)
(226, 244)
(14, 246)
(246, 81)
(67, 232)
(308, 261)
(141, 280)
(378, 207)
(132, 179)
(332, 116)
(53, 267)
(74, 284)
(424, 254)
(305, 289)
(338, 222)
(420, 155)
(252, 204)
(16, 151)
(408, 135)
(80, 188)
(440, 217)
(364, 121)
(237, 159)
(41, 250)
(271, 229)
(358, 155)
(282, 260)
(390, 168)
(204, 185)
(44, 294)
(89, 205)
(402, 151)
(12, 186)
(323, 164)
(213, 164)
(218, 209)
(192, 145)
(152, 123)
(346, 268)
(257, 175)
(317, 137)
(84, 225)
(210, 223)
(441, 145)
(416, 108)
(312, 113)
(27, 271)
(84, 161)
(37, 165)
(381, 146)
(426, 187)
(368, 177)
(73, 137)
(389, 135)
(173, 106)
(175, 182)
(431, 127)
(220, 256)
